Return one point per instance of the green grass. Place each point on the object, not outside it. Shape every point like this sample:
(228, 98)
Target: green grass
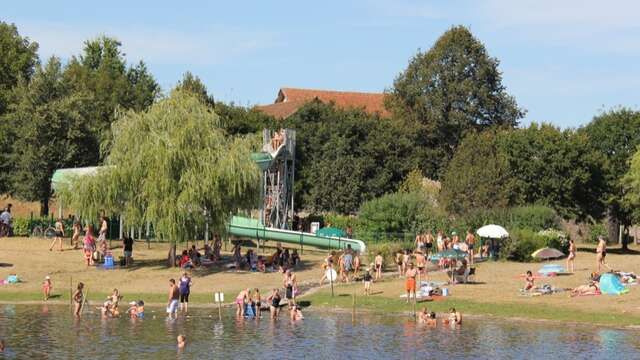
(343, 299)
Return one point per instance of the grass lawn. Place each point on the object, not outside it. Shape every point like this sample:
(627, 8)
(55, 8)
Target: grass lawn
(495, 290)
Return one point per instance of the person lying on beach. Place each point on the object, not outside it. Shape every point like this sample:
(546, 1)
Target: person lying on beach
(589, 289)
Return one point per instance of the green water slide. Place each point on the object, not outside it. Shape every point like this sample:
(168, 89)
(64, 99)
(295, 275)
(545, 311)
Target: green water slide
(253, 229)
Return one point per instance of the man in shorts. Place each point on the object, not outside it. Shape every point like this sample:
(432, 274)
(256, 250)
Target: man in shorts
(174, 295)
(410, 282)
(127, 245)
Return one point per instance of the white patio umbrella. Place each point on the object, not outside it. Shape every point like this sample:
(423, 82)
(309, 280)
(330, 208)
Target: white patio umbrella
(493, 232)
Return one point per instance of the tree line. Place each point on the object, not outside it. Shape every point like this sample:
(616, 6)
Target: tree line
(452, 121)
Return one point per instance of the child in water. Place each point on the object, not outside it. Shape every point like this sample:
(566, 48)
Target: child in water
(296, 313)
(140, 309)
(182, 342)
(46, 287)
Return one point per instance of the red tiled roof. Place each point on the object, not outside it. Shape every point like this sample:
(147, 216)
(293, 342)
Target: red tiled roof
(289, 100)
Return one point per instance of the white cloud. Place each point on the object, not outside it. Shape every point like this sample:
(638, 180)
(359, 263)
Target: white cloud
(209, 46)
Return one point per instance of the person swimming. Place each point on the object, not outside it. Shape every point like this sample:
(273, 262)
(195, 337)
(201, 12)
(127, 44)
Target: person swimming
(296, 313)
(182, 341)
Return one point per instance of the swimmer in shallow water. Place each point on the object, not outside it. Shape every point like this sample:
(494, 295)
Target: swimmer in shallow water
(296, 313)
(182, 342)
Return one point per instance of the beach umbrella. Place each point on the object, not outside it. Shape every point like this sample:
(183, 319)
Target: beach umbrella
(331, 232)
(493, 232)
(547, 253)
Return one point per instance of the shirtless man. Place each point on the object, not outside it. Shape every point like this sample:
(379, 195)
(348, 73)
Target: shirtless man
(378, 261)
(428, 242)
(601, 253)
(421, 262)
(174, 295)
(471, 242)
(410, 282)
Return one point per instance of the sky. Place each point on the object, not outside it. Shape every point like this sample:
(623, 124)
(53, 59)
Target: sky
(564, 61)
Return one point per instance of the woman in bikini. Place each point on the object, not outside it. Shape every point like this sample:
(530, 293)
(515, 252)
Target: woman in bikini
(399, 256)
(428, 243)
(572, 256)
(78, 298)
(589, 289)
(290, 286)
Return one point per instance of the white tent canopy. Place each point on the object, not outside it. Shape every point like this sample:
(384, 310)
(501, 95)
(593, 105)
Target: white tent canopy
(493, 232)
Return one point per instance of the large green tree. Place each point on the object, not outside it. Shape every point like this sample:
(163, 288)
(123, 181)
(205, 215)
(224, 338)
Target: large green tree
(344, 157)
(477, 175)
(168, 165)
(101, 71)
(616, 135)
(540, 164)
(51, 131)
(453, 88)
(18, 56)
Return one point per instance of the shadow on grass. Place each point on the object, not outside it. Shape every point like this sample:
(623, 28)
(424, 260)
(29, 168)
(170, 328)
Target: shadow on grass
(617, 251)
(5, 265)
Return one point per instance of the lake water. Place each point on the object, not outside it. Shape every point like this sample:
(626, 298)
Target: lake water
(38, 332)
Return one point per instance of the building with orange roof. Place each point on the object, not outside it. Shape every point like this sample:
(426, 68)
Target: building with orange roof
(289, 100)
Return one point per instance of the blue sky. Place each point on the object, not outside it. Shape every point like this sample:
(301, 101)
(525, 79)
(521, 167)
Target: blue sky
(564, 61)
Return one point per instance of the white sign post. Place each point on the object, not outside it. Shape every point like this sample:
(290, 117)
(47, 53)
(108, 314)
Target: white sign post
(218, 297)
(332, 276)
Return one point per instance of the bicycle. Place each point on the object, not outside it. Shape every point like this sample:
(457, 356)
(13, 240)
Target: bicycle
(40, 231)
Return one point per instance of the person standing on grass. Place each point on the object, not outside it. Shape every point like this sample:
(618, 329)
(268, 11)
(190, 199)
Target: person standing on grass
(471, 243)
(89, 245)
(174, 295)
(127, 246)
(102, 235)
(367, 279)
(378, 264)
(185, 290)
(75, 238)
(601, 253)
(572, 256)
(410, 282)
(59, 230)
(47, 287)
(346, 266)
(5, 222)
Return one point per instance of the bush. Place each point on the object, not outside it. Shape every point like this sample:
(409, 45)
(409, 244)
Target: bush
(596, 231)
(340, 221)
(395, 216)
(523, 242)
(532, 217)
(388, 250)
(21, 227)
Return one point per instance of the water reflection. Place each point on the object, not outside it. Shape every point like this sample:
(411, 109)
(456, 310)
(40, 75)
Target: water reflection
(52, 332)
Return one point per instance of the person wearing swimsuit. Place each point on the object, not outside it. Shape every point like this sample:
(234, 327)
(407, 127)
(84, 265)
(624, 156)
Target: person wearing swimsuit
(89, 245)
(241, 300)
(471, 243)
(367, 278)
(174, 295)
(529, 281)
(75, 238)
(572, 256)
(290, 287)
(428, 243)
(78, 298)
(601, 253)
(410, 282)
(274, 303)
(185, 290)
(59, 230)
(378, 265)
(421, 262)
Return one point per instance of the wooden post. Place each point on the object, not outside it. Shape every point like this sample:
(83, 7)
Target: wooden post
(71, 292)
(353, 312)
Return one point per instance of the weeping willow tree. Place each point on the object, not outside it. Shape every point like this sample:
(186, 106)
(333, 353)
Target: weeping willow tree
(174, 166)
